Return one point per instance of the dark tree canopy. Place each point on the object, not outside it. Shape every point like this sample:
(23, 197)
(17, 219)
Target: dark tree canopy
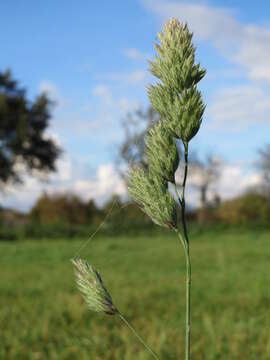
(22, 131)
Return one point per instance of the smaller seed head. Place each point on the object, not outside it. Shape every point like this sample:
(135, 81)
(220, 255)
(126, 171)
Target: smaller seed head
(90, 285)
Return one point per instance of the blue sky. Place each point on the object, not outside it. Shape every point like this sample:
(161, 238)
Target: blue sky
(91, 58)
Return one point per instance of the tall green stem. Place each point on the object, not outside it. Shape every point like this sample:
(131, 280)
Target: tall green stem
(188, 288)
(183, 202)
(185, 242)
(188, 264)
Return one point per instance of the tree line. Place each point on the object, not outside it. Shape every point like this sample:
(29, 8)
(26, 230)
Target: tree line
(25, 144)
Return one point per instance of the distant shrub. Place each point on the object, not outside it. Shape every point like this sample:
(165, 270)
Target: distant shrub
(206, 215)
(250, 207)
(9, 234)
(124, 217)
(64, 208)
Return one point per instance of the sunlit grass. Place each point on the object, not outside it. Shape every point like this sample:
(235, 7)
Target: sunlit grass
(44, 317)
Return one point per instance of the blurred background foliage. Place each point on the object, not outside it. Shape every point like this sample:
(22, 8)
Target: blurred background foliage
(66, 215)
(26, 147)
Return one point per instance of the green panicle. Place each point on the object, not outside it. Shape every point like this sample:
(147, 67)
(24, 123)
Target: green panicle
(152, 194)
(90, 284)
(176, 97)
(162, 153)
(186, 114)
(175, 64)
(161, 99)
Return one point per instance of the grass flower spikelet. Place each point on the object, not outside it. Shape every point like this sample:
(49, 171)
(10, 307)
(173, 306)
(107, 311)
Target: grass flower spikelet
(152, 194)
(90, 285)
(162, 153)
(176, 97)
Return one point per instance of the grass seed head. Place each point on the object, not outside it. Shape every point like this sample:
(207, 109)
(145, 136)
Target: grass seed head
(176, 97)
(90, 285)
(150, 191)
(162, 153)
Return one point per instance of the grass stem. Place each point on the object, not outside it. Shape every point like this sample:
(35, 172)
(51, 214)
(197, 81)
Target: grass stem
(138, 337)
(185, 242)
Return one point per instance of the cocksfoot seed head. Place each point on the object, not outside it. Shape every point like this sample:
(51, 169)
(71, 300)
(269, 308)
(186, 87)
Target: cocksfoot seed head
(152, 194)
(90, 285)
(176, 97)
(162, 153)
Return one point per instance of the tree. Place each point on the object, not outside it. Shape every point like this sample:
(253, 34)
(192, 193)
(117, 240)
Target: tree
(22, 132)
(264, 165)
(132, 150)
(245, 209)
(204, 173)
(65, 208)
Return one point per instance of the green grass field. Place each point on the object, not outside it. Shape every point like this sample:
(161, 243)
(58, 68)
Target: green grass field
(42, 315)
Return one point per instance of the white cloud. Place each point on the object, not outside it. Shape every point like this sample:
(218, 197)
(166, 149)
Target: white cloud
(49, 88)
(112, 105)
(101, 187)
(127, 105)
(237, 107)
(136, 55)
(51, 135)
(207, 22)
(104, 109)
(64, 171)
(234, 180)
(107, 112)
(254, 52)
(106, 183)
(136, 77)
(244, 44)
(23, 196)
(104, 92)
(53, 93)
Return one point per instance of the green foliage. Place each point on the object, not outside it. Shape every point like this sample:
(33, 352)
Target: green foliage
(59, 230)
(152, 194)
(64, 208)
(250, 207)
(22, 131)
(43, 315)
(67, 216)
(8, 233)
(124, 218)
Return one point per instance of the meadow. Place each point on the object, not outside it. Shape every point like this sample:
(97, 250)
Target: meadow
(43, 316)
